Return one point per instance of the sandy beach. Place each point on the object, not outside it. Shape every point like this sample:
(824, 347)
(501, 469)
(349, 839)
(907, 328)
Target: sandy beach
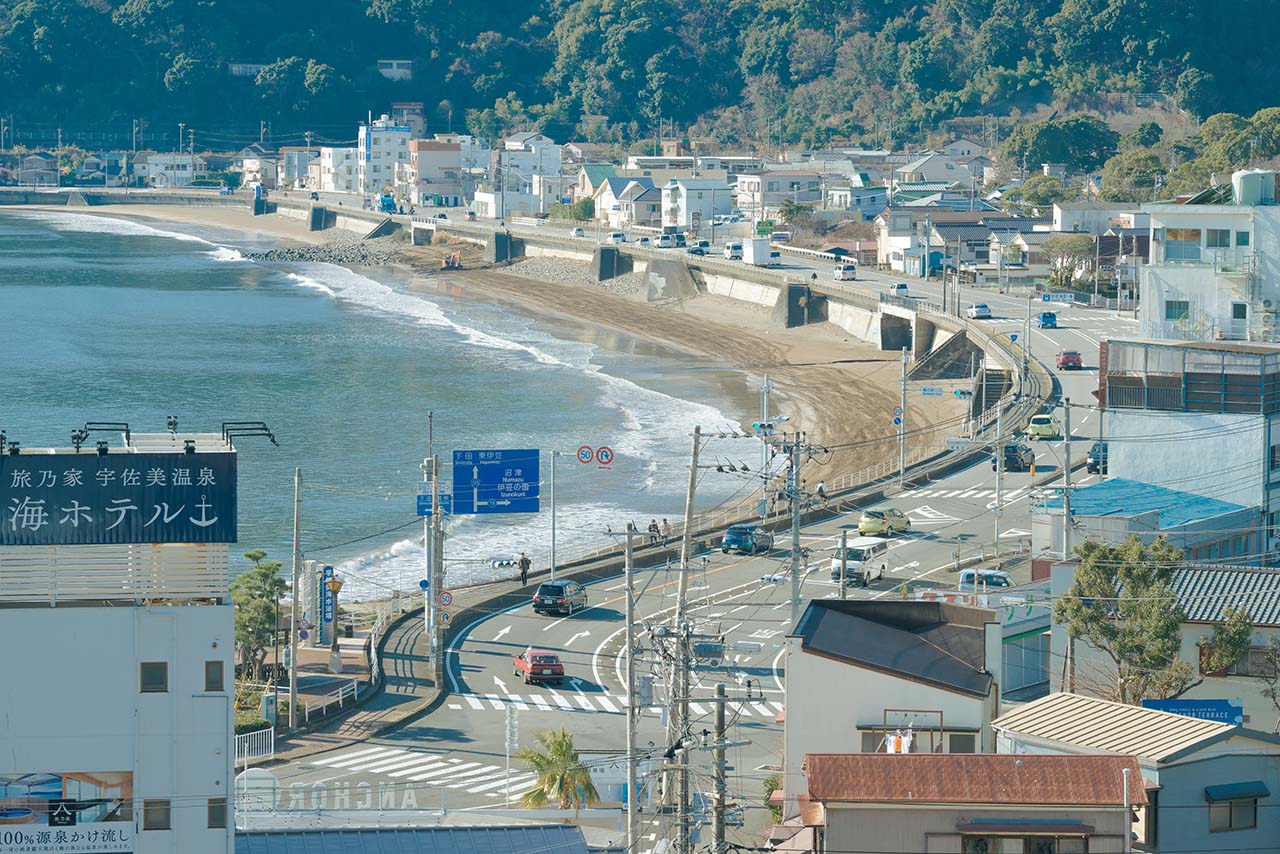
(839, 390)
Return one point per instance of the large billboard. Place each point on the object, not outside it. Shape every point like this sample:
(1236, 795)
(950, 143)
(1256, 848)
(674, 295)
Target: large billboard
(43, 813)
(92, 499)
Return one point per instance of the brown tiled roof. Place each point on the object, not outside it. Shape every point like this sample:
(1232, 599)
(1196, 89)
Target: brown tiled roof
(972, 778)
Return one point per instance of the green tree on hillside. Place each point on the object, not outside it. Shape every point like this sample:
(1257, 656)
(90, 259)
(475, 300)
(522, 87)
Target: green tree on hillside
(1132, 176)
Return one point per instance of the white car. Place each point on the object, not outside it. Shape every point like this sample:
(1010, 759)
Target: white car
(577, 232)
(664, 241)
(898, 289)
(978, 311)
(616, 237)
(845, 272)
(643, 243)
(733, 251)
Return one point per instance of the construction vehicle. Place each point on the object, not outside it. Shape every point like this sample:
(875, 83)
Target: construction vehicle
(452, 261)
(387, 203)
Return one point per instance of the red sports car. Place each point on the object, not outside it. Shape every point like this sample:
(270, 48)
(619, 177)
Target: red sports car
(538, 665)
(1069, 359)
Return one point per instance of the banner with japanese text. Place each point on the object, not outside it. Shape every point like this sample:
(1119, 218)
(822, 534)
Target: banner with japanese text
(88, 499)
(48, 813)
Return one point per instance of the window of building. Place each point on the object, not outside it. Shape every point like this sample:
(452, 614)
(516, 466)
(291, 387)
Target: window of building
(1177, 309)
(1233, 815)
(1239, 311)
(1182, 244)
(1024, 844)
(963, 742)
(213, 680)
(217, 812)
(1217, 238)
(155, 677)
(1255, 661)
(156, 814)
(1275, 462)
(1242, 238)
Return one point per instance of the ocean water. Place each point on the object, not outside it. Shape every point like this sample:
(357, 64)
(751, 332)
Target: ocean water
(106, 319)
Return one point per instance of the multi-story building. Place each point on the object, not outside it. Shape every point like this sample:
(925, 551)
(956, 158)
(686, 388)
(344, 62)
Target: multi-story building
(382, 146)
(433, 173)
(410, 114)
(295, 165)
(338, 170)
(118, 722)
(1215, 264)
(694, 202)
(768, 190)
(519, 160)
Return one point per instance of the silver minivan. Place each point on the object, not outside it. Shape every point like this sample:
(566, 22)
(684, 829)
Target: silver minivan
(733, 251)
(865, 559)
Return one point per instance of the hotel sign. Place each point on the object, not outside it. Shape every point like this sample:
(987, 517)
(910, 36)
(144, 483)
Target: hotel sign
(87, 499)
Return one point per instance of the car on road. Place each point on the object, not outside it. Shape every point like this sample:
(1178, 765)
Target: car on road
(846, 272)
(538, 665)
(471, 216)
(864, 559)
(578, 232)
(315, 197)
(559, 597)
(1096, 460)
(733, 251)
(1070, 360)
(1042, 427)
(1017, 457)
(746, 539)
(1047, 320)
(978, 311)
(441, 215)
(616, 237)
(884, 522)
(775, 260)
(695, 250)
(680, 239)
(981, 580)
(644, 243)
(898, 289)
(664, 241)
(702, 244)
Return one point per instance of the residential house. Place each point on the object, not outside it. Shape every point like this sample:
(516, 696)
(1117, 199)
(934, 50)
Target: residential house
(433, 174)
(172, 169)
(581, 153)
(733, 164)
(866, 202)
(1096, 218)
(295, 166)
(930, 167)
(908, 192)
(766, 191)
(692, 203)
(962, 242)
(590, 177)
(904, 233)
(1215, 266)
(1210, 785)
(260, 170)
(1121, 253)
(338, 170)
(915, 804)
(381, 149)
(410, 114)
(1218, 399)
(108, 168)
(860, 671)
(252, 151)
(1016, 255)
(475, 154)
(396, 69)
(955, 200)
(685, 147)
(963, 147)
(39, 169)
(524, 157)
(623, 202)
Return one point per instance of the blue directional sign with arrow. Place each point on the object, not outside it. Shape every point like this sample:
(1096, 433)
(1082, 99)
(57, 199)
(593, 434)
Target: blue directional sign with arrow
(498, 481)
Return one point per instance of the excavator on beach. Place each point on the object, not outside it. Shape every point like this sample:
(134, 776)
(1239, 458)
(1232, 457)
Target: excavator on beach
(452, 261)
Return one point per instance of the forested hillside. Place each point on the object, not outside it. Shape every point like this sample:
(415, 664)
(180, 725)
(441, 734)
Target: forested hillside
(807, 70)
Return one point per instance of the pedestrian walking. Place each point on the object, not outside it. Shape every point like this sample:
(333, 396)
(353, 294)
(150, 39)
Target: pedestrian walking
(666, 532)
(822, 493)
(524, 569)
(654, 531)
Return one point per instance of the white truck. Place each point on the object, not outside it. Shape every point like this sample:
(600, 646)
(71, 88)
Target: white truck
(755, 251)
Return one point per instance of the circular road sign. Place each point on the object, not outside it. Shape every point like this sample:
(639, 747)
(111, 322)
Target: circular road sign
(586, 454)
(897, 422)
(302, 635)
(424, 585)
(445, 618)
(897, 410)
(604, 454)
(446, 598)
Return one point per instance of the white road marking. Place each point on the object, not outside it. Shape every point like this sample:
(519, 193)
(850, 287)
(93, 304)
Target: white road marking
(344, 760)
(453, 767)
(516, 780)
(561, 701)
(473, 702)
(570, 641)
(455, 706)
(585, 703)
(500, 635)
(604, 701)
(540, 702)
(398, 762)
(451, 782)
(496, 702)
(697, 709)
(421, 769)
(762, 709)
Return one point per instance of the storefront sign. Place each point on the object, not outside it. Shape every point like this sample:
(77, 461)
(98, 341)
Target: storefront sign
(75, 812)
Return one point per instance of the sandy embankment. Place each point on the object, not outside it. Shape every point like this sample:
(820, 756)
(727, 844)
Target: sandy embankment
(838, 389)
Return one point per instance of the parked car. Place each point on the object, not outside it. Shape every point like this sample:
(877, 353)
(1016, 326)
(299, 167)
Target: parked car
(981, 580)
(644, 243)
(225, 191)
(898, 289)
(746, 539)
(664, 241)
(1070, 360)
(864, 558)
(845, 272)
(616, 237)
(883, 522)
(559, 597)
(702, 244)
(733, 251)
(1046, 320)
(538, 665)
(978, 311)
(578, 232)
(1017, 457)
(1042, 427)
(1096, 461)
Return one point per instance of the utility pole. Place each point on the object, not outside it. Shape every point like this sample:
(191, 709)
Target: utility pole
(297, 616)
(844, 562)
(680, 677)
(764, 447)
(554, 454)
(794, 477)
(721, 793)
(633, 708)
(182, 126)
(999, 471)
(191, 144)
(437, 569)
(902, 427)
(1066, 478)
(262, 130)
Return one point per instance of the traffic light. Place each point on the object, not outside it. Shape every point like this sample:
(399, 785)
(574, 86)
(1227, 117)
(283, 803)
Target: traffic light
(763, 428)
(963, 393)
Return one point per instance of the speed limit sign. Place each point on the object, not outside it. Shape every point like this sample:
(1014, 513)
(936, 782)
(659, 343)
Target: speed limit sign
(586, 454)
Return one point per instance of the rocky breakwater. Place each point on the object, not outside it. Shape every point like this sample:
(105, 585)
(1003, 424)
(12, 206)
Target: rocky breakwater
(345, 250)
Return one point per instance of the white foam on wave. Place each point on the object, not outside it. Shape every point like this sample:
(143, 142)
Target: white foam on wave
(308, 282)
(93, 223)
(225, 254)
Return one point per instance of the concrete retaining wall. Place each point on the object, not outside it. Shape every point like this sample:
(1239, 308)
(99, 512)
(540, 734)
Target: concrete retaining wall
(753, 292)
(532, 251)
(858, 322)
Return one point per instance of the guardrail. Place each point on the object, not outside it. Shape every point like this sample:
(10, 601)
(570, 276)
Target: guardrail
(347, 693)
(788, 249)
(255, 745)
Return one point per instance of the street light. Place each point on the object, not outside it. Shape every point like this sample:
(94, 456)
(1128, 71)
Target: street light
(335, 655)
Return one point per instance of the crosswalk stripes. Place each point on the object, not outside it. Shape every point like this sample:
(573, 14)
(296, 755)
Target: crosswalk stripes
(433, 770)
(473, 702)
(540, 702)
(598, 703)
(950, 493)
(562, 702)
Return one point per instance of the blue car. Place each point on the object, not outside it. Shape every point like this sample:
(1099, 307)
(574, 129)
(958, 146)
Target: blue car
(1047, 320)
(746, 539)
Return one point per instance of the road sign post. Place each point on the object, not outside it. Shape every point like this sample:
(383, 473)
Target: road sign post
(495, 481)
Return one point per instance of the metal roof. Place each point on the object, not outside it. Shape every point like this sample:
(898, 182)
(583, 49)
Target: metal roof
(1128, 498)
(1206, 591)
(598, 172)
(1111, 727)
(523, 839)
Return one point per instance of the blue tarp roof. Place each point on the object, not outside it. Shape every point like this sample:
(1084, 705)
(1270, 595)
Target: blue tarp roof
(1129, 498)
(523, 839)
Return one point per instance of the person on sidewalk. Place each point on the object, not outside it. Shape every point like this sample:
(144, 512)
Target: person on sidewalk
(524, 569)
(666, 533)
(822, 493)
(654, 531)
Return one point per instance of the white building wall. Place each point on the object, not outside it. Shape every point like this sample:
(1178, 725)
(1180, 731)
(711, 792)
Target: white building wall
(380, 148)
(337, 169)
(72, 704)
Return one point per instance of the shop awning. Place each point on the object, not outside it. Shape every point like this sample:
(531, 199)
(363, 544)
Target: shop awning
(1237, 791)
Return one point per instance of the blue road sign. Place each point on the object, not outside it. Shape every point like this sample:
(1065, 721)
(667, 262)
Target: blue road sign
(931, 391)
(1223, 711)
(424, 503)
(424, 584)
(498, 481)
(897, 421)
(1059, 297)
(326, 595)
(1013, 336)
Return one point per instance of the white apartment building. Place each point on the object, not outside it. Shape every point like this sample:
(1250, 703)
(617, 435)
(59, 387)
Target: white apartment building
(768, 190)
(1215, 264)
(519, 160)
(381, 148)
(684, 201)
(338, 170)
(118, 713)
(295, 166)
(433, 174)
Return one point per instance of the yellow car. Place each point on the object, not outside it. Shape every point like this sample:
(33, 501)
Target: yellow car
(883, 523)
(1042, 427)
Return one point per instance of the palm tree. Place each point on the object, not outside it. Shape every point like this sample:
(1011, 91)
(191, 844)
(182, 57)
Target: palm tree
(561, 777)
